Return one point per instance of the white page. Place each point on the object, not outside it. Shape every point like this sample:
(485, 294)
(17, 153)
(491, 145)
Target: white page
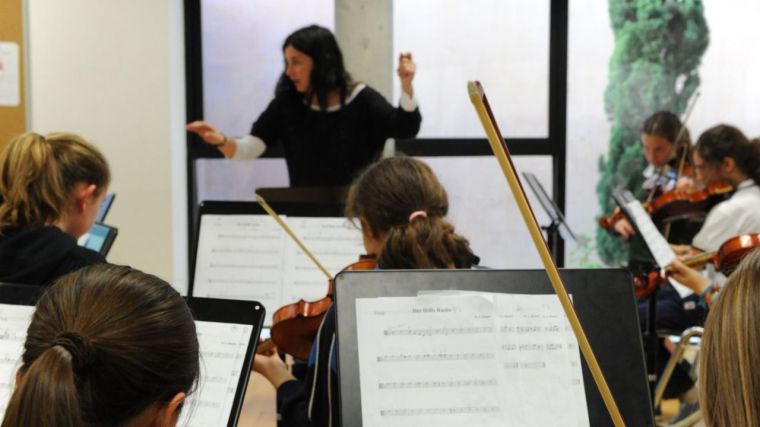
(536, 356)
(10, 75)
(539, 357)
(14, 321)
(661, 251)
(223, 347)
(421, 363)
(250, 257)
(240, 257)
(335, 242)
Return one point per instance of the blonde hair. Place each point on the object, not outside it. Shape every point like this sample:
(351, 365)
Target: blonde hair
(38, 175)
(728, 370)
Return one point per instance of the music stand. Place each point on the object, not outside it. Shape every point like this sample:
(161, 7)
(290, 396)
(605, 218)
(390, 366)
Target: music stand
(558, 226)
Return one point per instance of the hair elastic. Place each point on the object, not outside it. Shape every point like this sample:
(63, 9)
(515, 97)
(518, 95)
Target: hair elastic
(415, 214)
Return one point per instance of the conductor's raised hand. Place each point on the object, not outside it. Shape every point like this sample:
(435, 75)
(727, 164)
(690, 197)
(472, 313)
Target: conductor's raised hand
(406, 70)
(208, 132)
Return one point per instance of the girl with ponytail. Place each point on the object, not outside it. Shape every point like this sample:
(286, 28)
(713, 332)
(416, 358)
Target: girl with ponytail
(50, 190)
(107, 346)
(401, 207)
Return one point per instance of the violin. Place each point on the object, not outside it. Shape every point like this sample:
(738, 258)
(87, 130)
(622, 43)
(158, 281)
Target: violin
(295, 325)
(725, 259)
(678, 204)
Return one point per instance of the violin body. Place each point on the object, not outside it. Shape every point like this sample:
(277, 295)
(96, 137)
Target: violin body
(678, 204)
(295, 326)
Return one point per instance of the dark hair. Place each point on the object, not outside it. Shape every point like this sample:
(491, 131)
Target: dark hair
(667, 125)
(38, 175)
(386, 194)
(722, 141)
(328, 74)
(104, 343)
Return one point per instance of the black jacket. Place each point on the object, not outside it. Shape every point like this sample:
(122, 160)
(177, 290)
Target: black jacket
(39, 256)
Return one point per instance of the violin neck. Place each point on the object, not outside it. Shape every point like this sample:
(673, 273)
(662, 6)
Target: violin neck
(699, 260)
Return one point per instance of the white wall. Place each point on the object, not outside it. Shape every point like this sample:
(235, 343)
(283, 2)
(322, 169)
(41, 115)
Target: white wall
(113, 71)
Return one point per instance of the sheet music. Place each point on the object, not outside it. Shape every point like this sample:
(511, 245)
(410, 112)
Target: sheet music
(661, 251)
(223, 347)
(250, 257)
(14, 321)
(468, 359)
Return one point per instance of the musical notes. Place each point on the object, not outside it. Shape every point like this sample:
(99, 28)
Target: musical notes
(14, 321)
(249, 257)
(466, 358)
(223, 347)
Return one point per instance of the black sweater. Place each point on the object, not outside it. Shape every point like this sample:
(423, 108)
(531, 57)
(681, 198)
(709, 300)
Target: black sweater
(39, 256)
(328, 148)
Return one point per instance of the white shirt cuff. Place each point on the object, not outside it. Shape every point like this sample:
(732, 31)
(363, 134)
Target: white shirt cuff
(248, 147)
(407, 103)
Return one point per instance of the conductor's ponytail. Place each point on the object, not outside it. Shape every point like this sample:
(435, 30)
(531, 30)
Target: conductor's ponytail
(401, 199)
(46, 393)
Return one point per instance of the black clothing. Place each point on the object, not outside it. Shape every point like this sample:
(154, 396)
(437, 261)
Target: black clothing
(293, 404)
(329, 148)
(41, 255)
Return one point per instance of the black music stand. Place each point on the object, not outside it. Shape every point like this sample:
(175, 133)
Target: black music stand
(318, 195)
(558, 226)
(603, 299)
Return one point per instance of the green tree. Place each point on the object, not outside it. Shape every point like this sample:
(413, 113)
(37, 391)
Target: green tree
(658, 48)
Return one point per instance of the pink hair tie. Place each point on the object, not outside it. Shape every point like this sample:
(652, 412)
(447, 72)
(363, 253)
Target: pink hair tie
(415, 214)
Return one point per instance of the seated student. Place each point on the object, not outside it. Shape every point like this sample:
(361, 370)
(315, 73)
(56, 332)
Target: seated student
(107, 346)
(722, 154)
(401, 208)
(729, 381)
(50, 190)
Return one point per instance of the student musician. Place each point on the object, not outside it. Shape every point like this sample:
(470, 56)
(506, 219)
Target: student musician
(51, 188)
(722, 154)
(401, 207)
(329, 125)
(729, 381)
(107, 346)
(663, 155)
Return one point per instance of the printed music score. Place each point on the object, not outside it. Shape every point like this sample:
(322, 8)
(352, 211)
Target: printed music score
(661, 251)
(223, 347)
(14, 321)
(250, 257)
(468, 358)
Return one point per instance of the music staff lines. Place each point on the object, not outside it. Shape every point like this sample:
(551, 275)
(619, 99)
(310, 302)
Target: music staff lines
(437, 384)
(435, 357)
(440, 411)
(438, 331)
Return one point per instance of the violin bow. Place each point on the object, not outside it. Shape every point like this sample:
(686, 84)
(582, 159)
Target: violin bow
(687, 114)
(499, 147)
(292, 235)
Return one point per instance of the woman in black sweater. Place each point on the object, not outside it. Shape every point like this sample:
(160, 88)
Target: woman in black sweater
(330, 126)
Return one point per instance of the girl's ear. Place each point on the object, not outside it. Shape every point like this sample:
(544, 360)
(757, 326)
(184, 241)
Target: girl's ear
(168, 414)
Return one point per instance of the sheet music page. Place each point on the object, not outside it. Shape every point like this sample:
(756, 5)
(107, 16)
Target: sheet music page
(539, 357)
(223, 347)
(14, 321)
(335, 242)
(661, 251)
(421, 363)
(469, 359)
(240, 257)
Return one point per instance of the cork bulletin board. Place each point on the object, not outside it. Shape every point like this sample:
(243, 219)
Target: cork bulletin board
(12, 70)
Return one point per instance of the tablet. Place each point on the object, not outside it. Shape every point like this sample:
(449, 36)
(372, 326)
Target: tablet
(104, 207)
(228, 334)
(100, 238)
